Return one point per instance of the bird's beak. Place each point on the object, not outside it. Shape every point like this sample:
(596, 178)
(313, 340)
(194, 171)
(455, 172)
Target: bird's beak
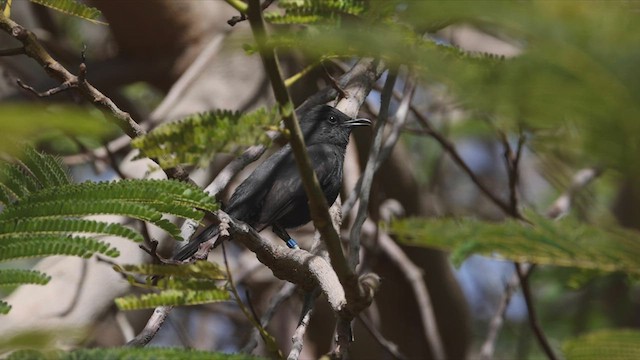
(357, 122)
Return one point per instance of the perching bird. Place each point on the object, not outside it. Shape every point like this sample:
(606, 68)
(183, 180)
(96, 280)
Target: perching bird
(273, 195)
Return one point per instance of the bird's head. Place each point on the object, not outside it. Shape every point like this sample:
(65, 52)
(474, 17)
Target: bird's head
(326, 124)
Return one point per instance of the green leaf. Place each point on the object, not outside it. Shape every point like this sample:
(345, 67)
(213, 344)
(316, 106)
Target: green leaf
(74, 8)
(20, 122)
(315, 11)
(13, 277)
(565, 243)
(197, 138)
(620, 344)
(171, 298)
(4, 307)
(197, 270)
(19, 227)
(38, 246)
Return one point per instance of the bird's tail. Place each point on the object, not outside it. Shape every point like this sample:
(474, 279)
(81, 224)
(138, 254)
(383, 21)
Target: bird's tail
(192, 247)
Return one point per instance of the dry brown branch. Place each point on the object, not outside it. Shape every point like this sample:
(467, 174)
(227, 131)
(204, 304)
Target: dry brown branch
(36, 51)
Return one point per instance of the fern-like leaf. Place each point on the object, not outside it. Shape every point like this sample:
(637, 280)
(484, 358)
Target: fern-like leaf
(38, 246)
(546, 242)
(13, 277)
(74, 8)
(18, 227)
(205, 270)
(315, 11)
(171, 298)
(195, 139)
(47, 169)
(620, 344)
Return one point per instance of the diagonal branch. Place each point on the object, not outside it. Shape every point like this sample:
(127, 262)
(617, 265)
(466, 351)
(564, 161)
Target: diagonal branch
(556, 211)
(357, 297)
(450, 148)
(34, 50)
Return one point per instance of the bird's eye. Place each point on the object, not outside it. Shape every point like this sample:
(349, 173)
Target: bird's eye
(332, 119)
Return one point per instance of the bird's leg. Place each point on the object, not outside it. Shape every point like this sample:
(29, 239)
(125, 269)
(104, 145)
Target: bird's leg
(282, 234)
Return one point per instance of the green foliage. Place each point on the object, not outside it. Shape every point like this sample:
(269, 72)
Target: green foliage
(4, 307)
(314, 11)
(129, 353)
(36, 122)
(16, 277)
(171, 298)
(199, 270)
(565, 243)
(73, 8)
(44, 212)
(621, 344)
(12, 277)
(43, 340)
(195, 139)
(176, 285)
(574, 86)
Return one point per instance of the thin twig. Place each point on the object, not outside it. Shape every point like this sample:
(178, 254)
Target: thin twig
(556, 211)
(531, 310)
(58, 89)
(243, 16)
(488, 347)
(415, 278)
(512, 162)
(305, 316)
(114, 162)
(76, 297)
(54, 69)
(389, 346)
(283, 295)
(13, 51)
(369, 171)
(450, 148)
(253, 319)
(401, 117)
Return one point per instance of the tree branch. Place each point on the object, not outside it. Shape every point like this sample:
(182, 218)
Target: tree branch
(450, 148)
(369, 171)
(318, 206)
(298, 336)
(556, 211)
(36, 51)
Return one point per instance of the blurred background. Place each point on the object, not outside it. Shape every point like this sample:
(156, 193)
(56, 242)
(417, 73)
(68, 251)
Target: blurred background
(565, 76)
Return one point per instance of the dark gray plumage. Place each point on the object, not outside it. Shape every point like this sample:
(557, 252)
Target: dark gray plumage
(273, 195)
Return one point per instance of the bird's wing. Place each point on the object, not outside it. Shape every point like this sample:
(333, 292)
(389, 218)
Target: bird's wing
(287, 190)
(245, 202)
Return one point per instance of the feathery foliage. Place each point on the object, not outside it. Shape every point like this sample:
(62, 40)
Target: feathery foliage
(16, 277)
(573, 77)
(195, 139)
(73, 8)
(44, 212)
(35, 122)
(621, 344)
(190, 284)
(142, 353)
(12, 277)
(565, 243)
(314, 11)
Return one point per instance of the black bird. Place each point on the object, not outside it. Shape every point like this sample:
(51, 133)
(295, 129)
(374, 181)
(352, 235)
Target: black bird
(273, 195)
